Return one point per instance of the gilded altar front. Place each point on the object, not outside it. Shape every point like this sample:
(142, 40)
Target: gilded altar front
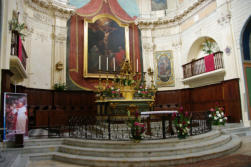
(120, 107)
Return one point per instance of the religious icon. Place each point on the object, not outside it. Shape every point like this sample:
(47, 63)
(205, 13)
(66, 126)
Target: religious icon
(106, 46)
(158, 5)
(164, 68)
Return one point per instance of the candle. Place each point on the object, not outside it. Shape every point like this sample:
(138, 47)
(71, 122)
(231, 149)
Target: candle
(99, 63)
(107, 63)
(114, 64)
(137, 65)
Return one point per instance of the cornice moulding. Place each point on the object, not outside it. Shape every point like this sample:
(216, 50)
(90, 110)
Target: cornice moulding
(183, 16)
(60, 10)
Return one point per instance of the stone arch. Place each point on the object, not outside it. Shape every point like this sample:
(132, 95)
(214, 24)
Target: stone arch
(246, 40)
(245, 45)
(195, 50)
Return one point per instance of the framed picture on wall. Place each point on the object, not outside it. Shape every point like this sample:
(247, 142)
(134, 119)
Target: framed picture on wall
(106, 45)
(158, 5)
(164, 73)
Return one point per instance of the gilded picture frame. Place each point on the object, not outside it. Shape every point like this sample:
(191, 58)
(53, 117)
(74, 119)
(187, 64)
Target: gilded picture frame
(106, 42)
(158, 5)
(164, 69)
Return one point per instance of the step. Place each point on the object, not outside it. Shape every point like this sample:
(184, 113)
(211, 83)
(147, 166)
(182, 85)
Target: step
(117, 151)
(43, 142)
(151, 143)
(40, 149)
(150, 161)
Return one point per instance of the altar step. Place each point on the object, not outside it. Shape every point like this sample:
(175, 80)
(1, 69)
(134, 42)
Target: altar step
(154, 153)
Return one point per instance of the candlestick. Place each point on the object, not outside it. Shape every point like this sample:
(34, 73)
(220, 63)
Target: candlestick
(137, 65)
(99, 63)
(114, 66)
(107, 63)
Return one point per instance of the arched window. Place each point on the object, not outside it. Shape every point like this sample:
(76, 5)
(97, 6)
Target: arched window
(1, 15)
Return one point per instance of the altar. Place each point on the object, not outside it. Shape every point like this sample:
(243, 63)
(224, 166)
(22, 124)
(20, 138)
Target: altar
(120, 107)
(126, 92)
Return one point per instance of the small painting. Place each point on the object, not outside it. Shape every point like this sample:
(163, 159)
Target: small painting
(164, 75)
(159, 5)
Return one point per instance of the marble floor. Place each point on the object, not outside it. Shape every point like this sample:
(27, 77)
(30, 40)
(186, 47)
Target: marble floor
(240, 158)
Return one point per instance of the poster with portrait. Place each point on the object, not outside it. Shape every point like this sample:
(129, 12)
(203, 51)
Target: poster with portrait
(158, 5)
(164, 75)
(106, 46)
(15, 115)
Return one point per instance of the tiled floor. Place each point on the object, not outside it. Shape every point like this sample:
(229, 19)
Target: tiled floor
(240, 158)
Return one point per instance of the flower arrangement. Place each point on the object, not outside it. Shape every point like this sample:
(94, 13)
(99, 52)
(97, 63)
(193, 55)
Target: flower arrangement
(137, 128)
(182, 123)
(143, 92)
(111, 91)
(217, 116)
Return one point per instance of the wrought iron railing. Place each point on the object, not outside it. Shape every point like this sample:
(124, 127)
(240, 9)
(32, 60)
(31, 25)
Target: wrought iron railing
(17, 48)
(116, 128)
(197, 67)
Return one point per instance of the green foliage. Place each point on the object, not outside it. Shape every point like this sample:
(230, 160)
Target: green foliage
(208, 47)
(14, 25)
(60, 86)
(125, 82)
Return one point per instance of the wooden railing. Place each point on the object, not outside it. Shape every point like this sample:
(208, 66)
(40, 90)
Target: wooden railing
(15, 48)
(197, 67)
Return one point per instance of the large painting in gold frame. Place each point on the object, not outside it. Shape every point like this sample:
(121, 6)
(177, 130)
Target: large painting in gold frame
(164, 73)
(106, 45)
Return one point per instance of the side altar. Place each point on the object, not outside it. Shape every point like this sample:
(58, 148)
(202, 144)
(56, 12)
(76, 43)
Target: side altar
(127, 91)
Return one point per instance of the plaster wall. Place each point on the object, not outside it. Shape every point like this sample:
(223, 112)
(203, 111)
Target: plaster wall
(45, 45)
(221, 20)
(240, 12)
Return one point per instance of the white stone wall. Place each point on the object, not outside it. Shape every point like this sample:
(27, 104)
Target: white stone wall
(240, 11)
(45, 45)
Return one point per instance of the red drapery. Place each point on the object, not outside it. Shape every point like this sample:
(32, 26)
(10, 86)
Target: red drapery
(20, 49)
(209, 62)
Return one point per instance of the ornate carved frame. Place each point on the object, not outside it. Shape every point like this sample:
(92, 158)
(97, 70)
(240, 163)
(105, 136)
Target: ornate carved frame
(171, 81)
(86, 22)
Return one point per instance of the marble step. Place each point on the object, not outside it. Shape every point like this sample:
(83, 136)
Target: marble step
(224, 149)
(40, 149)
(43, 142)
(151, 143)
(117, 151)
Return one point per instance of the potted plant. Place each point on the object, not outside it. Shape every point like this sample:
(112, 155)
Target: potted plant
(60, 86)
(208, 47)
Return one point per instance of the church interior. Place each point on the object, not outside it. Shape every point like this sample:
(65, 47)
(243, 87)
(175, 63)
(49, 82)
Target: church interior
(135, 83)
